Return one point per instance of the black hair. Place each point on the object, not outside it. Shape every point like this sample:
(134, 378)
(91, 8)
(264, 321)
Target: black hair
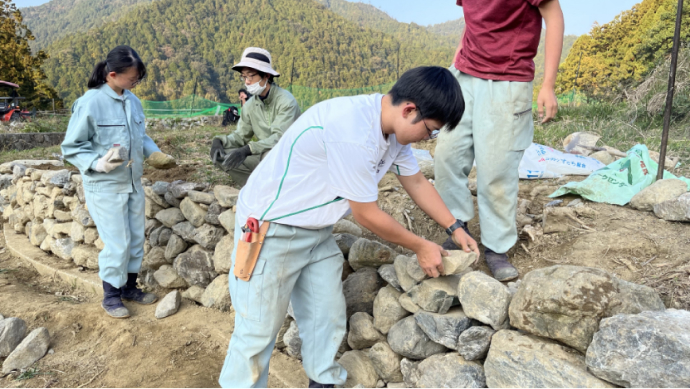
(434, 91)
(118, 60)
(242, 90)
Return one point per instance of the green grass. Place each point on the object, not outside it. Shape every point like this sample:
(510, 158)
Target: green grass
(31, 373)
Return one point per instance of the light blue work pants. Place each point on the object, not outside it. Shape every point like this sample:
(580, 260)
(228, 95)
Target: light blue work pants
(296, 264)
(495, 130)
(120, 220)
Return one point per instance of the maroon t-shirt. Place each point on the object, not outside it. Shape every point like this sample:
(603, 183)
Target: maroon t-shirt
(501, 39)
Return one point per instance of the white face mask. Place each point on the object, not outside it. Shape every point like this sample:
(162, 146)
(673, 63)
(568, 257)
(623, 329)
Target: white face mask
(256, 89)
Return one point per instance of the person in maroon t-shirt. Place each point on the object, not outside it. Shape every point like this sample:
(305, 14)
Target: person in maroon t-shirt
(495, 68)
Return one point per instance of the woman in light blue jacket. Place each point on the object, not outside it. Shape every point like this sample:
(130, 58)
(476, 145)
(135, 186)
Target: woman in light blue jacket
(106, 139)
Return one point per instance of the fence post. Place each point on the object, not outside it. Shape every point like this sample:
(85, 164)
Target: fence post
(53, 106)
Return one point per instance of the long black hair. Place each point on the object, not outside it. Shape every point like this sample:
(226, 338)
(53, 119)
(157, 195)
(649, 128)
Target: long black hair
(118, 60)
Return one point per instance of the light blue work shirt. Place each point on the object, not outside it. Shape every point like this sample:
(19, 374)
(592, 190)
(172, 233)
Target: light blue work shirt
(101, 120)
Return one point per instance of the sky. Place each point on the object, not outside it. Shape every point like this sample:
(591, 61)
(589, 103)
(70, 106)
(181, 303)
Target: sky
(579, 14)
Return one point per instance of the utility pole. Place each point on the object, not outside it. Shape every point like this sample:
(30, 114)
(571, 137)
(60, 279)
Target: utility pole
(193, 97)
(669, 94)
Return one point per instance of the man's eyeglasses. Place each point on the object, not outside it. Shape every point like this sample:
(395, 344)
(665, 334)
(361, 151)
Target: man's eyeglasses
(246, 77)
(433, 134)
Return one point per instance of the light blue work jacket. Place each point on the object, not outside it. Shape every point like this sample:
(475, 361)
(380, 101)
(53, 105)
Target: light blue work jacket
(100, 121)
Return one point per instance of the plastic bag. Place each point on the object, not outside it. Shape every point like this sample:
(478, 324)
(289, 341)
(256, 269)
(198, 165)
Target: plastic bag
(544, 162)
(618, 182)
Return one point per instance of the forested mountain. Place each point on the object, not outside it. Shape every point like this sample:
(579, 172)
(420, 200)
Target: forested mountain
(451, 28)
(620, 53)
(58, 18)
(184, 43)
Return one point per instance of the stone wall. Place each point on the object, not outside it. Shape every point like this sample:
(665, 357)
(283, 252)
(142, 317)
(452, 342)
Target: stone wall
(29, 141)
(554, 328)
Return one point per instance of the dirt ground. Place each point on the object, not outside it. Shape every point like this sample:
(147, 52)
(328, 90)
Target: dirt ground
(90, 349)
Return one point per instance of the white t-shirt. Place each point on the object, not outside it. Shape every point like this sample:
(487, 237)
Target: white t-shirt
(333, 153)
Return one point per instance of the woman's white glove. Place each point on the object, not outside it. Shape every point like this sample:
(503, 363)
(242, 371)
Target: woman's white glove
(104, 166)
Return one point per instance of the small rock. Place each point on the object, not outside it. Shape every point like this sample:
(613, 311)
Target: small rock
(169, 217)
(157, 199)
(281, 333)
(164, 236)
(192, 212)
(293, 342)
(217, 294)
(367, 253)
(360, 290)
(407, 339)
(457, 261)
(520, 360)
(222, 256)
(484, 298)
(168, 278)
(450, 371)
(99, 244)
(474, 342)
(208, 236)
(86, 255)
(387, 309)
(193, 293)
(83, 217)
(387, 272)
(155, 258)
(604, 157)
(77, 233)
(674, 210)
(227, 220)
(196, 266)
(407, 304)
(226, 195)
(175, 246)
(443, 328)
(90, 235)
(171, 199)
(30, 350)
(345, 242)
(436, 294)
(360, 369)
(185, 230)
(38, 234)
(409, 372)
(214, 211)
(12, 332)
(150, 225)
(59, 230)
(161, 161)
(47, 243)
(657, 193)
(201, 197)
(400, 264)
(415, 271)
(343, 226)
(386, 362)
(160, 187)
(168, 305)
(179, 189)
(362, 332)
(649, 349)
(63, 248)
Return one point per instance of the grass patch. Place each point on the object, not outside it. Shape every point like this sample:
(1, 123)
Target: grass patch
(31, 373)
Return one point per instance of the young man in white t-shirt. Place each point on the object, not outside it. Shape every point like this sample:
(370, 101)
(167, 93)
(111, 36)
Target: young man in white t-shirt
(326, 165)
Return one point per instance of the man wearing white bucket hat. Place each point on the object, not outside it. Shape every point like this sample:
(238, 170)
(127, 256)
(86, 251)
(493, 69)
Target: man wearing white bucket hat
(266, 115)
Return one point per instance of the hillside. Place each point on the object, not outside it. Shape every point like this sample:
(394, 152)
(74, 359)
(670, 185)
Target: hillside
(184, 42)
(451, 28)
(58, 18)
(619, 54)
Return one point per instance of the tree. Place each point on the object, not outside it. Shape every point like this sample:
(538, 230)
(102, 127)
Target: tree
(18, 65)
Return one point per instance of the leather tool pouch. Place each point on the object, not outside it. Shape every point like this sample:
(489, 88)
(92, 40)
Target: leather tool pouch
(248, 253)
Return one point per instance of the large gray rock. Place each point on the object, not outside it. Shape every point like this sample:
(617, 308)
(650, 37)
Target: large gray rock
(164, 236)
(292, 341)
(222, 256)
(193, 293)
(185, 230)
(213, 213)
(447, 371)
(362, 332)
(160, 187)
(12, 332)
(196, 266)
(436, 294)
(360, 289)
(63, 248)
(519, 360)
(360, 369)
(30, 350)
(387, 272)
(227, 220)
(343, 226)
(387, 309)
(657, 193)
(155, 258)
(171, 199)
(179, 189)
(474, 342)
(156, 198)
(201, 197)
(345, 242)
(167, 277)
(386, 362)
(566, 303)
(217, 294)
(86, 256)
(193, 212)
(169, 217)
(207, 236)
(175, 246)
(407, 339)
(484, 299)
(155, 234)
(369, 253)
(58, 178)
(443, 328)
(674, 210)
(401, 263)
(168, 305)
(649, 349)
(226, 195)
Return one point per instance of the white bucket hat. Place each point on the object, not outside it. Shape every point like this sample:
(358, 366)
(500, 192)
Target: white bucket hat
(257, 59)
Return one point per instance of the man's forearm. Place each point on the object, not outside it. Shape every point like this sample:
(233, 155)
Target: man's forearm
(553, 18)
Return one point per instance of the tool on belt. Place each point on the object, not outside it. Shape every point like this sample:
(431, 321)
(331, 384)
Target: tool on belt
(249, 247)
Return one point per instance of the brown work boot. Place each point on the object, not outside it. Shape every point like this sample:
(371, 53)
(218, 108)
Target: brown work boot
(499, 266)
